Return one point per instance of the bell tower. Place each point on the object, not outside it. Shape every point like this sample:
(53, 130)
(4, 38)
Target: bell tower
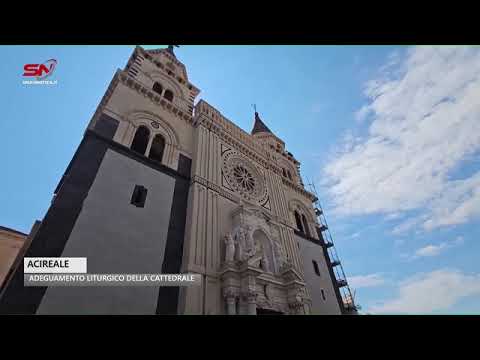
(123, 199)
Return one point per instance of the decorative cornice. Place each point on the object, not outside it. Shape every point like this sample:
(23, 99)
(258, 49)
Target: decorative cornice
(236, 199)
(146, 55)
(299, 189)
(207, 116)
(228, 138)
(215, 187)
(153, 97)
(108, 94)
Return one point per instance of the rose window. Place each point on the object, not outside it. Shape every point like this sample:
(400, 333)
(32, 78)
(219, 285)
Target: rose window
(244, 178)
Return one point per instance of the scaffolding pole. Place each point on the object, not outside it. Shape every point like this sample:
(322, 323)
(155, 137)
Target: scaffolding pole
(336, 264)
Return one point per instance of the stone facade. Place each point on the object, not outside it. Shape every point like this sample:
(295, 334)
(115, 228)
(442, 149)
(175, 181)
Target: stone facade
(243, 193)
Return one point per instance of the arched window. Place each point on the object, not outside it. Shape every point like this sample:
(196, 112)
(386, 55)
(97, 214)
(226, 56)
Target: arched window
(157, 88)
(305, 225)
(140, 140)
(168, 95)
(156, 151)
(298, 220)
(284, 172)
(289, 175)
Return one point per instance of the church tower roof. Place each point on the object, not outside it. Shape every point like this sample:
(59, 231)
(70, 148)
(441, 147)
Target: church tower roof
(259, 125)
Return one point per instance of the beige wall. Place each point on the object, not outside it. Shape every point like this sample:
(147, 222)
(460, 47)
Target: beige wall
(11, 242)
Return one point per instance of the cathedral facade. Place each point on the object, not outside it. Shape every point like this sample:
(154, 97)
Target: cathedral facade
(162, 185)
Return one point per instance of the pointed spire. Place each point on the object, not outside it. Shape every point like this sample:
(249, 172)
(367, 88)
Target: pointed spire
(259, 126)
(170, 49)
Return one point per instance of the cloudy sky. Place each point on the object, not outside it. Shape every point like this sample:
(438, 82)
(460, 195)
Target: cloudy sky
(389, 135)
(411, 165)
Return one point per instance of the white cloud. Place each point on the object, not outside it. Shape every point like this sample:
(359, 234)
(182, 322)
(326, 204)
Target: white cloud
(362, 114)
(407, 225)
(459, 202)
(431, 292)
(393, 216)
(425, 112)
(363, 281)
(355, 235)
(434, 250)
(430, 250)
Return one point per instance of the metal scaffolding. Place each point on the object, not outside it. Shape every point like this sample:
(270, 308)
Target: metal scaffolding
(333, 261)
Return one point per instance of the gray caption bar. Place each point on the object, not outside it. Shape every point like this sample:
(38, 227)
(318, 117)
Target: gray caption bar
(112, 279)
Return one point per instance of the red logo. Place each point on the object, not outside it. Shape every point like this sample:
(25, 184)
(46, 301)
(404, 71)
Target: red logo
(41, 71)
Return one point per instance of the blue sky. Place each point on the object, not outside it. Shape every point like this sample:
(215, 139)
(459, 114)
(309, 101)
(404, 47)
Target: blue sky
(390, 136)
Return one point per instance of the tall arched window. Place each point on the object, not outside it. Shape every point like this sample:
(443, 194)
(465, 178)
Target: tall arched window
(289, 175)
(168, 95)
(298, 220)
(284, 172)
(157, 88)
(140, 141)
(156, 151)
(305, 225)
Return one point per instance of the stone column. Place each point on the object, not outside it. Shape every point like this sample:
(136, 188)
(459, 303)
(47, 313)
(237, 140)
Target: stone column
(230, 299)
(149, 145)
(252, 305)
(231, 306)
(251, 300)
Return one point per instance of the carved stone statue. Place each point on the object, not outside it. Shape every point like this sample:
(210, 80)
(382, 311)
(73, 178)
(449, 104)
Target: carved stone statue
(239, 253)
(241, 237)
(229, 248)
(258, 247)
(265, 262)
(249, 238)
(279, 254)
(249, 248)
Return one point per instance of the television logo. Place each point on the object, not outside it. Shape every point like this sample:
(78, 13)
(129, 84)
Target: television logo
(40, 72)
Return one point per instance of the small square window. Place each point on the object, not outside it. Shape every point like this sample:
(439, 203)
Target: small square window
(139, 196)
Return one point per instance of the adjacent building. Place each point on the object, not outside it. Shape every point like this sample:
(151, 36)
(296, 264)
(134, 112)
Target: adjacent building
(11, 241)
